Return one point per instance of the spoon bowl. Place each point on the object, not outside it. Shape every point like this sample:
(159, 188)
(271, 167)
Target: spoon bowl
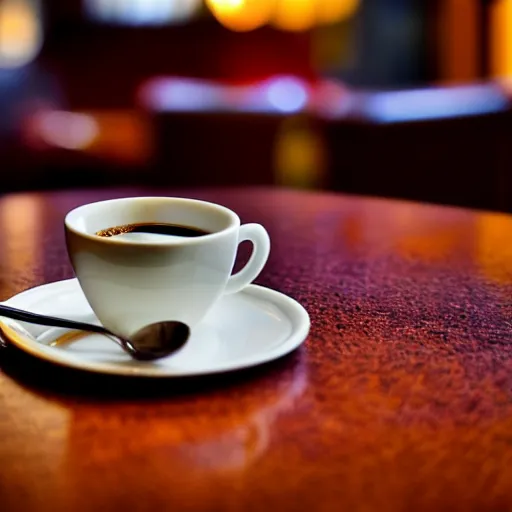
(158, 340)
(152, 342)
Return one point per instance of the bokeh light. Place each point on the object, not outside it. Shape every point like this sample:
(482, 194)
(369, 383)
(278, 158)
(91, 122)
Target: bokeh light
(435, 103)
(142, 12)
(501, 38)
(287, 94)
(301, 15)
(241, 15)
(299, 154)
(67, 130)
(236, 15)
(332, 11)
(21, 33)
(295, 15)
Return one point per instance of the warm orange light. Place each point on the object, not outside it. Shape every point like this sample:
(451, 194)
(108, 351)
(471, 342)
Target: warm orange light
(20, 32)
(501, 38)
(295, 15)
(241, 15)
(289, 15)
(331, 11)
(493, 247)
(299, 155)
(121, 135)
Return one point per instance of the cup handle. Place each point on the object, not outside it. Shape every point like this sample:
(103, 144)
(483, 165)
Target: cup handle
(261, 249)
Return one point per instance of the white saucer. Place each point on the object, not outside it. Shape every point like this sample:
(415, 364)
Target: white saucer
(242, 330)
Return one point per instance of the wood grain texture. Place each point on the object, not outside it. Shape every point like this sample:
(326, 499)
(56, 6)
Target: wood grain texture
(400, 400)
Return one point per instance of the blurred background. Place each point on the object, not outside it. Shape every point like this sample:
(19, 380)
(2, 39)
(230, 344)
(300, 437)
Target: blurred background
(395, 98)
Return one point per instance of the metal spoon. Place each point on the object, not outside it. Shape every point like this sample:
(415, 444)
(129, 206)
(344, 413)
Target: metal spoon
(152, 342)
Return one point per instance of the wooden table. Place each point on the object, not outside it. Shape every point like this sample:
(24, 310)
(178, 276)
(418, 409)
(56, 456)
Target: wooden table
(401, 398)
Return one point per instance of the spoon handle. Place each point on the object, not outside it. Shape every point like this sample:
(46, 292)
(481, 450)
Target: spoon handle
(35, 318)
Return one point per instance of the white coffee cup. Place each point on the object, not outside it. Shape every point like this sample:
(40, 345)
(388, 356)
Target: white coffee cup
(132, 283)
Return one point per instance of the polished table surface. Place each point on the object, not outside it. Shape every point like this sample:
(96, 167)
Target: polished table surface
(401, 398)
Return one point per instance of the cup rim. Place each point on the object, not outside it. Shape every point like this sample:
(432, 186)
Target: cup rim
(234, 222)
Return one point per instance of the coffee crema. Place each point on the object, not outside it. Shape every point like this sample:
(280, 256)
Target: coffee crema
(158, 228)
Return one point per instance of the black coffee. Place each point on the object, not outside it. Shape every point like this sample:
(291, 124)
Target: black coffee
(154, 227)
